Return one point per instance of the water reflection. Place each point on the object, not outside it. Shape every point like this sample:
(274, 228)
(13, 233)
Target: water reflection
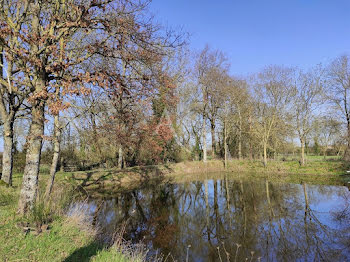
(233, 220)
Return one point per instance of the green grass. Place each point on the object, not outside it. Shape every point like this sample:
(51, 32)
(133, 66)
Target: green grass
(315, 167)
(66, 239)
(109, 255)
(112, 254)
(58, 244)
(310, 158)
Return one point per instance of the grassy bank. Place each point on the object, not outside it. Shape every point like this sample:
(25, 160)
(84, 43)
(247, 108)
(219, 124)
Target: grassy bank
(48, 234)
(107, 181)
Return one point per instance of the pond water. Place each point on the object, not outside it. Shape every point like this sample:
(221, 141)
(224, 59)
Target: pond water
(223, 218)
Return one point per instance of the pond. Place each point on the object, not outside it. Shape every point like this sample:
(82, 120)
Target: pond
(225, 218)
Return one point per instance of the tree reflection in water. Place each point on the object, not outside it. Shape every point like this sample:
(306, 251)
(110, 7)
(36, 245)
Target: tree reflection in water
(239, 219)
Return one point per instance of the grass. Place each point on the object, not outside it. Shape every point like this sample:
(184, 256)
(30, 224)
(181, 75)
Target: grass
(309, 158)
(110, 255)
(47, 233)
(330, 168)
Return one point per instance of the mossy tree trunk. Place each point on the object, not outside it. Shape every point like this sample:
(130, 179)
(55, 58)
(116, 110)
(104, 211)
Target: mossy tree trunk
(9, 106)
(29, 189)
(7, 157)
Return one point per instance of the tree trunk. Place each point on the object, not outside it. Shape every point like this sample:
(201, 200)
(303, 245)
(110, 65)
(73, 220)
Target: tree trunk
(56, 155)
(204, 134)
(8, 117)
(95, 134)
(213, 143)
(265, 154)
(240, 144)
(240, 136)
(347, 150)
(7, 157)
(225, 143)
(250, 150)
(29, 189)
(302, 156)
(250, 140)
(120, 157)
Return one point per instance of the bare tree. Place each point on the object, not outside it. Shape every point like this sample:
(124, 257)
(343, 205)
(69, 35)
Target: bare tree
(328, 130)
(307, 99)
(272, 92)
(240, 108)
(339, 91)
(209, 68)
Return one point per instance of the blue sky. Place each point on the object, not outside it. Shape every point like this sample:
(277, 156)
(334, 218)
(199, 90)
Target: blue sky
(255, 33)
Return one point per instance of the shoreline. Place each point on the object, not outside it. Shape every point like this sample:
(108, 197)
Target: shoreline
(109, 181)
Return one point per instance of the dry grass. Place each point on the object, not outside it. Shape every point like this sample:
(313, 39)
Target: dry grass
(78, 217)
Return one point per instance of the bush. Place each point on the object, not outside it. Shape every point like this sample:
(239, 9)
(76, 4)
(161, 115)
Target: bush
(183, 155)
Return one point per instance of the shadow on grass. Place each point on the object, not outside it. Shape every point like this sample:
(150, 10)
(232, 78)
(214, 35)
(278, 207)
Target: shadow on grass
(106, 181)
(85, 254)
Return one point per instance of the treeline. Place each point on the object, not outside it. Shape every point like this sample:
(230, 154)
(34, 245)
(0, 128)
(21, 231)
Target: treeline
(207, 113)
(279, 110)
(99, 84)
